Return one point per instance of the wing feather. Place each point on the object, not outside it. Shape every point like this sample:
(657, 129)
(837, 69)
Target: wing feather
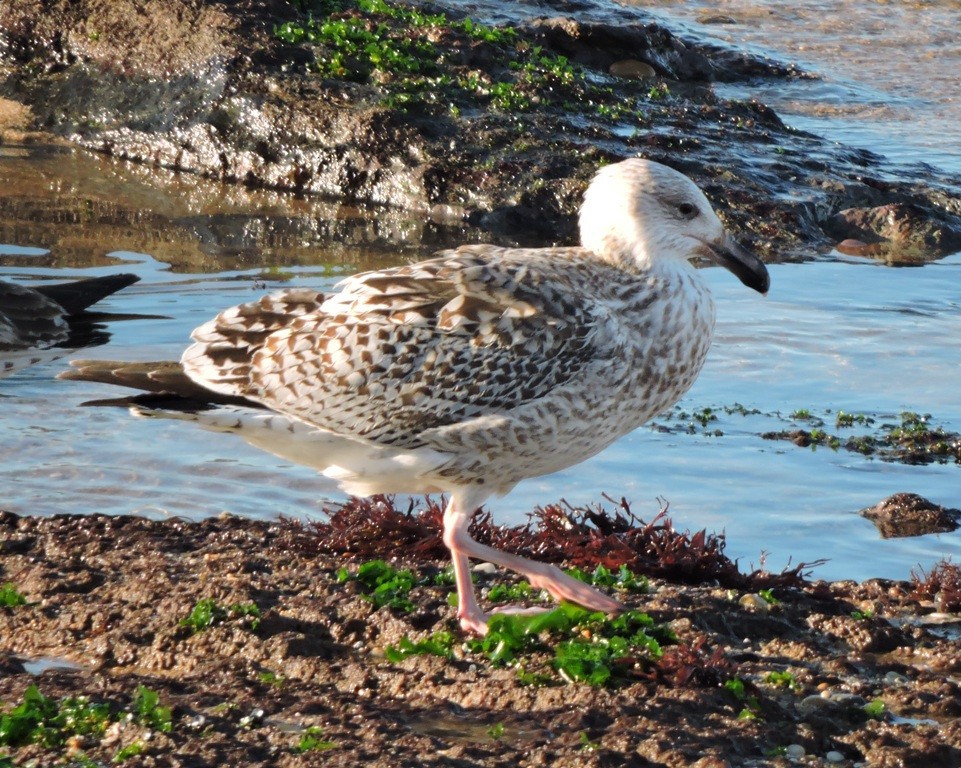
(475, 332)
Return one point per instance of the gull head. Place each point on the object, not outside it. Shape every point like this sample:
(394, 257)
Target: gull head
(639, 213)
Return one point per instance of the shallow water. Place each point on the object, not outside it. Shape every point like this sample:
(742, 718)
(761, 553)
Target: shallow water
(832, 335)
(888, 71)
(841, 335)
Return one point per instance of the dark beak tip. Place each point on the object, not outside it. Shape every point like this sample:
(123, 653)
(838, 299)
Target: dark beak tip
(745, 265)
(766, 285)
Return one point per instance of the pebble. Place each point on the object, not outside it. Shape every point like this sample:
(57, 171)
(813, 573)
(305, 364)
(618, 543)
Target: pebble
(794, 752)
(489, 568)
(895, 678)
(632, 69)
(834, 757)
(254, 718)
(716, 18)
(849, 700)
(813, 703)
(196, 723)
(754, 603)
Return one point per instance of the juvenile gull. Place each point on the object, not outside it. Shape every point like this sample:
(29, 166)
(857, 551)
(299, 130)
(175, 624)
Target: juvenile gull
(476, 369)
(36, 320)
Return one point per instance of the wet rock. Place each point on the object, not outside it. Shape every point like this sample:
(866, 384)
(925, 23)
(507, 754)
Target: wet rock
(448, 215)
(601, 45)
(210, 90)
(853, 247)
(862, 634)
(908, 514)
(632, 69)
(907, 232)
(15, 118)
(711, 761)
(715, 18)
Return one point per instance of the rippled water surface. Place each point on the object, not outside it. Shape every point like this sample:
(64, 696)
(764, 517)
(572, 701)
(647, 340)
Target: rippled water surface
(840, 334)
(888, 70)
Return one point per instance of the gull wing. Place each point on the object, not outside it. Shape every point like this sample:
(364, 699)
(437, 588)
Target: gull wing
(477, 331)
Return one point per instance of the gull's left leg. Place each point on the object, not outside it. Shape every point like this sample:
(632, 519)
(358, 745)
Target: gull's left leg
(457, 518)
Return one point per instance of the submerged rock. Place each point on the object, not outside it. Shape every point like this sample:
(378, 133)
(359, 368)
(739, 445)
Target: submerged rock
(908, 514)
(900, 232)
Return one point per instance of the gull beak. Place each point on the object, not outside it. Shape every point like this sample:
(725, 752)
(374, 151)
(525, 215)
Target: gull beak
(747, 267)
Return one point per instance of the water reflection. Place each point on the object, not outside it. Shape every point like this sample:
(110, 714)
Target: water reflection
(888, 71)
(77, 206)
(44, 322)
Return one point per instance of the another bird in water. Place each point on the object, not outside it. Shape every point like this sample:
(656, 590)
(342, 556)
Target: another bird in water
(37, 321)
(474, 370)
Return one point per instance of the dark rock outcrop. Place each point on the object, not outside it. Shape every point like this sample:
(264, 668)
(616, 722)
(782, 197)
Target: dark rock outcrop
(504, 126)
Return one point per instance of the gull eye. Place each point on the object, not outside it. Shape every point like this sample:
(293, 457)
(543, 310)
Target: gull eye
(687, 210)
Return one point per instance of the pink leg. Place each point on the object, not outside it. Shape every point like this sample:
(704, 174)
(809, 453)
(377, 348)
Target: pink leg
(469, 613)
(541, 575)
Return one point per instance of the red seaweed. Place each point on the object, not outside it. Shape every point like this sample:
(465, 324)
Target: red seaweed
(555, 533)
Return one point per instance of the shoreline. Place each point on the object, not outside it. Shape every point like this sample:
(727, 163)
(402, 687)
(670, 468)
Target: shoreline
(853, 674)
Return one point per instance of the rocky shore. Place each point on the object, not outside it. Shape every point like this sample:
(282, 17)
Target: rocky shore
(230, 641)
(484, 114)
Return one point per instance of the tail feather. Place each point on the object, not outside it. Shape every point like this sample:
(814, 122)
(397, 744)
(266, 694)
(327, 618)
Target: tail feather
(161, 378)
(77, 296)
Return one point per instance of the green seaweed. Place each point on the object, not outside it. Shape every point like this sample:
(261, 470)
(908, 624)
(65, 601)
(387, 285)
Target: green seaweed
(49, 722)
(783, 680)
(437, 644)
(384, 584)
(312, 740)
(409, 58)
(11, 597)
(208, 612)
(583, 646)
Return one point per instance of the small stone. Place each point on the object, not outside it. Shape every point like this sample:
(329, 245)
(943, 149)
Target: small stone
(834, 757)
(488, 568)
(811, 704)
(853, 247)
(754, 603)
(794, 752)
(632, 69)
(849, 700)
(196, 723)
(716, 18)
(895, 678)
